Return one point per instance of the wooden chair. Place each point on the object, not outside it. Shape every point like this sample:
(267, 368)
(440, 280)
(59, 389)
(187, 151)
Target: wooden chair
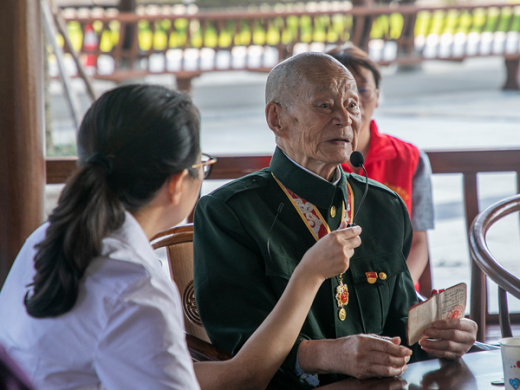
(12, 377)
(481, 255)
(178, 242)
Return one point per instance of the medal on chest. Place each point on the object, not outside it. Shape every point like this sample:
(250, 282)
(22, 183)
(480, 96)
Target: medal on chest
(342, 298)
(318, 227)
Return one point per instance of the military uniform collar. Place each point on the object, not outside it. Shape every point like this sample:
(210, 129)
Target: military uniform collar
(305, 184)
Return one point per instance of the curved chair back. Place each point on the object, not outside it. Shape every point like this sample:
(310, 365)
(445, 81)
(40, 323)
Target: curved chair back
(11, 375)
(480, 253)
(178, 242)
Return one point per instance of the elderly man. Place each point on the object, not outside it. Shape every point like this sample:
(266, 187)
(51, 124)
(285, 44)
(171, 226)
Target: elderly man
(251, 233)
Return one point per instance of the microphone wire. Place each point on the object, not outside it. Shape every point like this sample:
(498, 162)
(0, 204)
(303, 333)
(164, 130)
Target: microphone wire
(278, 212)
(364, 195)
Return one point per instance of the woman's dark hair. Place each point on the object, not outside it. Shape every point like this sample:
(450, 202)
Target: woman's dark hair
(353, 58)
(131, 140)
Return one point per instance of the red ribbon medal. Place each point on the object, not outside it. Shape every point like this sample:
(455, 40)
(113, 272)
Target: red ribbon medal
(371, 277)
(342, 298)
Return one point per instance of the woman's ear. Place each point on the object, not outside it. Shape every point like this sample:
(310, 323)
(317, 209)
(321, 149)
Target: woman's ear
(273, 116)
(175, 186)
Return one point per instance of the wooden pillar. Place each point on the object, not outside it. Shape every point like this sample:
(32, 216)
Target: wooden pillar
(22, 168)
(128, 6)
(129, 35)
(512, 68)
(362, 25)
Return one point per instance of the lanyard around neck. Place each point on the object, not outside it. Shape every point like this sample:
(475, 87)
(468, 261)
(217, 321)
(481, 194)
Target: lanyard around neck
(311, 216)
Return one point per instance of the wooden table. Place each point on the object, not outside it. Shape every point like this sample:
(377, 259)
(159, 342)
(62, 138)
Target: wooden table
(475, 371)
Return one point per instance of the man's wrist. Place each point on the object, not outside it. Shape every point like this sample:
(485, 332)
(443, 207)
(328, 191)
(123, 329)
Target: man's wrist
(305, 376)
(314, 356)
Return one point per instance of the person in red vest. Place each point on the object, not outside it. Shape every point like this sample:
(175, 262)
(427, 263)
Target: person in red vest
(397, 164)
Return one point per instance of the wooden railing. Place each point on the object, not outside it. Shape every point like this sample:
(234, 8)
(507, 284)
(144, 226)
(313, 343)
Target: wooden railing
(468, 163)
(121, 46)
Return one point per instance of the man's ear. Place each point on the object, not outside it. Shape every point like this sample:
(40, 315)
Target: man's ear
(175, 186)
(273, 116)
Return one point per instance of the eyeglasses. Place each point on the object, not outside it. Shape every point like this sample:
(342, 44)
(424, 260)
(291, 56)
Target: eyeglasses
(206, 163)
(367, 93)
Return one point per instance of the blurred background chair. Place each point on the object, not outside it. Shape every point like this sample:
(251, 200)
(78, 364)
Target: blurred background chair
(178, 242)
(482, 256)
(11, 375)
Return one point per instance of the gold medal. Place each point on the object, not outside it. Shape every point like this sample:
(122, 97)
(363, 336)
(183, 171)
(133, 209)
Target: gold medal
(371, 277)
(342, 298)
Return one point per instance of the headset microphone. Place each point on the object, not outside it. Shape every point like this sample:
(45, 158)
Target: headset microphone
(357, 160)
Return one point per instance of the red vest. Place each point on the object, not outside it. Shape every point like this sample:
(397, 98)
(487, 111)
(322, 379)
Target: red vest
(391, 162)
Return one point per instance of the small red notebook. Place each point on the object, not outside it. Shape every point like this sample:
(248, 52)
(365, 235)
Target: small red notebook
(450, 303)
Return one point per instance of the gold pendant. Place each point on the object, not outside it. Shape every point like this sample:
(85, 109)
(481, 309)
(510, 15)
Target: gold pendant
(342, 296)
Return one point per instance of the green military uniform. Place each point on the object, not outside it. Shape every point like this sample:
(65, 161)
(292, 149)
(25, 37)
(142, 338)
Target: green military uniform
(249, 238)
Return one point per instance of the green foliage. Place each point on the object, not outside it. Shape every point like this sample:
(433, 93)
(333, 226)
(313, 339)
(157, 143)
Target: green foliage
(515, 25)
(75, 35)
(305, 29)
(62, 150)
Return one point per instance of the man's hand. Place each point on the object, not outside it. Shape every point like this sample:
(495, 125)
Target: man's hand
(360, 356)
(450, 338)
(374, 356)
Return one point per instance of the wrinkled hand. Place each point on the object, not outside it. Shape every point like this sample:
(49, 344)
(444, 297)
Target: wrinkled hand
(368, 356)
(331, 255)
(449, 338)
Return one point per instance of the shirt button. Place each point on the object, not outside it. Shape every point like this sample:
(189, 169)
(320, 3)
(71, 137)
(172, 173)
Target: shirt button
(382, 276)
(333, 211)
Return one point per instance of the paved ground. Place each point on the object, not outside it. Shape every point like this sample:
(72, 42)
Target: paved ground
(439, 105)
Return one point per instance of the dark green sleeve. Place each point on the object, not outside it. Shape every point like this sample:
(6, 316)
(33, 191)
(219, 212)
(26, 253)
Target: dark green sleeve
(404, 296)
(232, 291)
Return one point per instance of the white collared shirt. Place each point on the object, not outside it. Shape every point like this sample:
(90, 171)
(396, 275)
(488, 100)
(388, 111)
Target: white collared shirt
(125, 331)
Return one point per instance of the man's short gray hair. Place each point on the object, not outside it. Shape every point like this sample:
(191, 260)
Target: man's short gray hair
(286, 77)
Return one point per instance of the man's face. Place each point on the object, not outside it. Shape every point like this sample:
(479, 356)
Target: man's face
(321, 126)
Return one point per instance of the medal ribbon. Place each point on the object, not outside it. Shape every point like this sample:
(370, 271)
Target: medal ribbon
(311, 216)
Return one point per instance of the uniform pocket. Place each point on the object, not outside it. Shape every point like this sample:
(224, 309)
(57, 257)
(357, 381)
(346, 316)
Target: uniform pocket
(374, 280)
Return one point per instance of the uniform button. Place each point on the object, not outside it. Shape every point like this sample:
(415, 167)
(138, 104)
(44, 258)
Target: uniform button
(333, 211)
(382, 276)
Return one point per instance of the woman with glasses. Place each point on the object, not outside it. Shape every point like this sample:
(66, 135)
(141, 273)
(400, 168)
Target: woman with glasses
(397, 164)
(87, 304)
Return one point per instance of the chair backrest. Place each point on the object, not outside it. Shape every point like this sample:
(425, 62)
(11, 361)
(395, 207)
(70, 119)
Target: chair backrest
(11, 375)
(481, 255)
(178, 242)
